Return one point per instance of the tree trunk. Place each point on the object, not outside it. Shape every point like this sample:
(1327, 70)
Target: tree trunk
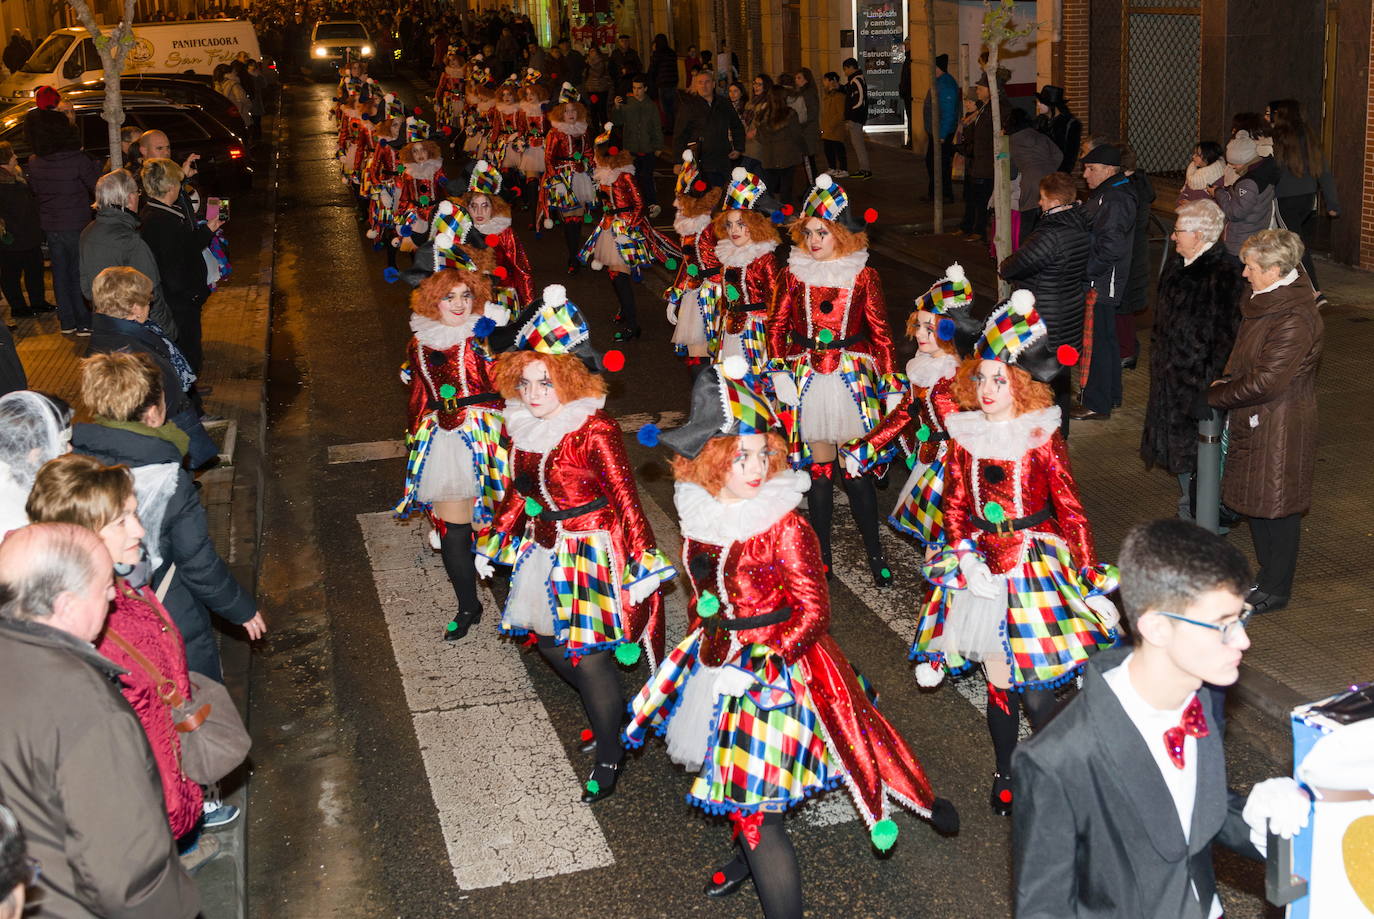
(113, 50)
(1001, 171)
(933, 129)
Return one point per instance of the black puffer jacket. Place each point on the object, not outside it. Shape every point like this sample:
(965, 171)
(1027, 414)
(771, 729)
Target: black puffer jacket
(1196, 317)
(1110, 210)
(202, 581)
(1052, 263)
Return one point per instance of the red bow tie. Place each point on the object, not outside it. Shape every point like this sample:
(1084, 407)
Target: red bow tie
(1193, 724)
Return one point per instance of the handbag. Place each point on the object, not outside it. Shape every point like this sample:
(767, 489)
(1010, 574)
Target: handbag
(214, 740)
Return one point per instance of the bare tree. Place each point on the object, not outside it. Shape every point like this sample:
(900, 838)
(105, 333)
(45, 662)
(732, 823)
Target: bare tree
(933, 129)
(998, 28)
(113, 48)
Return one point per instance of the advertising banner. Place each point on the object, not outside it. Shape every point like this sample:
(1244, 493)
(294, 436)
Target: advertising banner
(881, 25)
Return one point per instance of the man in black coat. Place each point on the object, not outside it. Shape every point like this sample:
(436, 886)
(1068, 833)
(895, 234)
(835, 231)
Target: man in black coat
(710, 125)
(17, 51)
(1111, 208)
(1120, 798)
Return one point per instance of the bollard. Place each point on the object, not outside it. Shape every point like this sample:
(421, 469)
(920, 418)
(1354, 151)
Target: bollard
(1209, 472)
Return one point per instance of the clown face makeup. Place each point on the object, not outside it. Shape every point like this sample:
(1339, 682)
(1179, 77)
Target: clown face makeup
(818, 239)
(996, 399)
(537, 391)
(927, 340)
(748, 469)
(456, 306)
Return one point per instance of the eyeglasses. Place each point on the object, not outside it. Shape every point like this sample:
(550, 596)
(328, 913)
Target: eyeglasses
(1229, 631)
(34, 869)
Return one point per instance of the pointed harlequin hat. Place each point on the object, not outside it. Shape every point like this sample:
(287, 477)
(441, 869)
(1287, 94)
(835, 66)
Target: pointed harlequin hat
(1016, 335)
(512, 81)
(689, 181)
(747, 192)
(724, 404)
(485, 179)
(828, 201)
(392, 107)
(568, 93)
(610, 138)
(417, 129)
(451, 228)
(554, 325)
(532, 76)
(951, 300)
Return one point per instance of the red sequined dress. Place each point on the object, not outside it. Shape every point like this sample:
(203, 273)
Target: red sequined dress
(510, 255)
(623, 240)
(565, 189)
(695, 320)
(746, 292)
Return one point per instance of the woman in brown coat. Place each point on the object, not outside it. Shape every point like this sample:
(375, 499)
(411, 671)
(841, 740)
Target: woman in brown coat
(1270, 392)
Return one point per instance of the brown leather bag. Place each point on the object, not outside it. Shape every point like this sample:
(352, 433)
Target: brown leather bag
(214, 740)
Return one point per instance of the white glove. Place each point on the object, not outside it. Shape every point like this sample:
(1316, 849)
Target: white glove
(1106, 610)
(1277, 804)
(641, 590)
(851, 465)
(406, 375)
(979, 577)
(484, 567)
(672, 313)
(732, 681)
(785, 387)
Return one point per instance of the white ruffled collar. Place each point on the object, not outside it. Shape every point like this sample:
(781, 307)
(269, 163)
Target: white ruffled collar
(606, 175)
(836, 272)
(493, 227)
(540, 435)
(1002, 440)
(532, 108)
(424, 171)
(571, 128)
(508, 108)
(733, 256)
(708, 520)
(690, 226)
(436, 336)
(925, 370)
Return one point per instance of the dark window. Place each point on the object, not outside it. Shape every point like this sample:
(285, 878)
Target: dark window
(95, 132)
(333, 30)
(179, 127)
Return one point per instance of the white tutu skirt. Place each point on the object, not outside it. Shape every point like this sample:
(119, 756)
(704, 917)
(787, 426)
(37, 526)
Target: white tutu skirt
(583, 189)
(829, 414)
(530, 605)
(510, 157)
(689, 729)
(532, 161)
(472, 143)
(690, 330)
(731, 345)
(449, 469)
(608, 253)
(973, 625)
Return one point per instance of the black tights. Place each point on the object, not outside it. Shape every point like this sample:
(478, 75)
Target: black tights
(572, 239)
(773, 864)
(597, 683)
(1004, 726)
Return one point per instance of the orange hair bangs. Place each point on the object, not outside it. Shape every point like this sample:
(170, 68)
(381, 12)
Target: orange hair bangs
(1027, 393)
(711, 467)
(570, 377)
(761, 229)
(847, 242)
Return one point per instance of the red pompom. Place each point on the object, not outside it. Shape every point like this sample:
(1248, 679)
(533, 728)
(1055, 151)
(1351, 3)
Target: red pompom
(593, 98)
(447, 130)
(613, 361)
(499, 272)
(492, 239)
(1067, 354)
(416, 110)
(787, 210)
(517, 191)
(586, 735)
(613, 150)
(1004, 796)
(871, 215)
(698, 185)
(718, 877)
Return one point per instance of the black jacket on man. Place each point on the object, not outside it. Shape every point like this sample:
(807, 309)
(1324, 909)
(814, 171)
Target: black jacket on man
(856, 98)
(715, 129)
(1111, 208)
(1096, 834)
(1052, 263)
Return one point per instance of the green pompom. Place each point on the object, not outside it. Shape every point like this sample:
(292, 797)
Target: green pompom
(587, 218)
(452, 626)
(760, 650)
(671, 264)
(731, 292)
(923, 433)
(883, 834)
(826, 336)
(424, 201)
(993, 513)
(577, 157)
(886, 572)
(693, 271)
(447, 391)
(708, 605)
(953, 661)
(627, 654)
(593, 787)
(533, 507)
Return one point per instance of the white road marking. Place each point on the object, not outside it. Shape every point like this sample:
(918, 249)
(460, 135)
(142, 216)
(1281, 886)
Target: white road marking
(509, 811)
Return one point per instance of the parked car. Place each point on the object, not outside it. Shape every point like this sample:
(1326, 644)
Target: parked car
(331, 42)
(186, 89)
(225, 161)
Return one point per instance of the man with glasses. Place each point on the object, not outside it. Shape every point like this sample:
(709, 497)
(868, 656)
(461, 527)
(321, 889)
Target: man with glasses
(1120, 797)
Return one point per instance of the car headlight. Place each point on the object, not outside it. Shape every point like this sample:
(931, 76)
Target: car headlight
(366, 50)
(321, 51)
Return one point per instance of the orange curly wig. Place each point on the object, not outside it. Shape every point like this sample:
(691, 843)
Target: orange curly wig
(424, 300)
(693, 206)
(408, 151)
(571, 378)
(499, 206)
(711, 467)
(847, 242)
(1028, 394)
(761, 229)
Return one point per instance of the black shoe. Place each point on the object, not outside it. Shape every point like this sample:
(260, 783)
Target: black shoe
(574, 266)
(1001, 794)
(1128, 363)
(23, 312)
(944, 817)
(44, 307)
(458, 627)
(628, 334)
(601, 783)
(1083, 413)
(882, 575)
(722, 884)
(1261, 602)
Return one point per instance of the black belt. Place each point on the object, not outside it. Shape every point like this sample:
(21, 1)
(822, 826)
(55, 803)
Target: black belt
(1010, 526)
(619, 210)
(816, 344)
(452, 404)
(937, 437)
(578, 511)
(744, 623)
(745, 308)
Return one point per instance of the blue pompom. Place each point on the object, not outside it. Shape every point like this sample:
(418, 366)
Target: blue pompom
(483, 327)
(777, 217)
(404, 230)
(377, 246)
(391, 275)
(648, 435)
(945, 328)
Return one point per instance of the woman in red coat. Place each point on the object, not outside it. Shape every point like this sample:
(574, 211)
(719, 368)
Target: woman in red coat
(77, 489)
(831, 357)
(491, 217)
(758, 699)
(747, 289)
(586, 566)
(456, 468)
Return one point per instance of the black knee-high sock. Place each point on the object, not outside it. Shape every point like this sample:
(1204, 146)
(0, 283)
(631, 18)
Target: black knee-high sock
(572, 239)
(455, 546)
(863, 503)
(552, 652)
(820, 505)
(625, 293)
(1003, 725)
(599, 685)
(777, 877)
(1040, 707)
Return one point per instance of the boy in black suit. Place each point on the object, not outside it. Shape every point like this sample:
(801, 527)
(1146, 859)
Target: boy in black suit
(1120, 797)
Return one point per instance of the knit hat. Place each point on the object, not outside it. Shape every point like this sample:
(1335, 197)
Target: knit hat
(828, 201)
(485, 179)
(950, 299)
(417, 129)
(45, 97)
(1016, 335)
(723, 405)
(1241, 151)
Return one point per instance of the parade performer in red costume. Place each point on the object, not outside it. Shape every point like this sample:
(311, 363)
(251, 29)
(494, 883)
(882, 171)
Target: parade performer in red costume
(492, 218)
(456, 469)
(506, 140)
(566, 190)
(533, 126)
(450, 91)
(943, 327)
(1017, 584)
(587, 571)
(694, 323)
(831, 357)
(758, 699)
(746, 291)
(623, 241)
(419, 188)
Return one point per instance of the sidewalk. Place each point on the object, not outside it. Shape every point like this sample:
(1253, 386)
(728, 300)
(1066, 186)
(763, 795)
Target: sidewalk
(1325, 639)
(235, 326)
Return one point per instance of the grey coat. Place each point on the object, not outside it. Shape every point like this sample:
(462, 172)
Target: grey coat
(112, 240)
(1249, 203)
(1035, 156)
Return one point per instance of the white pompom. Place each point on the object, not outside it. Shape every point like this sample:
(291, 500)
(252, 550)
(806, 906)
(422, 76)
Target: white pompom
(929, 674)
(956, 274)
(824, 180)
(596, 265)
(687, 156)
(738, 174)
(444, 241)
(496, 313)
(548, 223)
(446, 207)
(734, 367)
(608, 126)
(390, 97)
(372, 234)
(482, 166)
(434, 540)
(555, 295)
(1022, 301)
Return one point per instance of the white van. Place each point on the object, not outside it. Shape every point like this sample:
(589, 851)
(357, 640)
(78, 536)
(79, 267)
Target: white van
(69, 56)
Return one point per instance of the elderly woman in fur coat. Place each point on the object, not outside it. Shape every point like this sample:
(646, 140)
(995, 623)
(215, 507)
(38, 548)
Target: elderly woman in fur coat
(1195, 324)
